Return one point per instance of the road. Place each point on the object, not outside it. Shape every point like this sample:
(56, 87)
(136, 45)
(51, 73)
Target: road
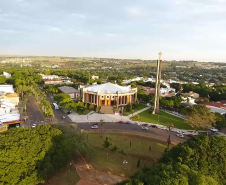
(130, 127)
(59, 113)
(34, 112)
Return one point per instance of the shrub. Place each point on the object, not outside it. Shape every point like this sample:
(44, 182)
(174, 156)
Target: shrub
(91, 107)
(128, 108)
(135, 118)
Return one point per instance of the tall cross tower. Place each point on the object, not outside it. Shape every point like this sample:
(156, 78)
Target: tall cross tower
(157, 85)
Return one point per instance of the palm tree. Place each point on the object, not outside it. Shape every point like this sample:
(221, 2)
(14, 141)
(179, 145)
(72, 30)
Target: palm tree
(25, 103)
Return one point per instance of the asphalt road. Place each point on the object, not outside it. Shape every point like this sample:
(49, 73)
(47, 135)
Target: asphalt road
(34, 112)
(58, 114)
(137, 128)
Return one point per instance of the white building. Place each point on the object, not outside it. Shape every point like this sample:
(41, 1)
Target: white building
(189, 100)
(7, 75)
(95, 77)
(6, 89)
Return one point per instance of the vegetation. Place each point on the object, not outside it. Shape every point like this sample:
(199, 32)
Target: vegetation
(163, 119)
(28, 155)
(113, 159)
(198, 161)
(135, 118)
(200, 116)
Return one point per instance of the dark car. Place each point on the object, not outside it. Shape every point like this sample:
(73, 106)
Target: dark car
(128, 122)
(153, 126)
(69, 112)
(190, 135)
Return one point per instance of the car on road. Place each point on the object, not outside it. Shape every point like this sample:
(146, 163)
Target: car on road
(128, 122)
(180, 132)
(190, 135)
(144, 128)
(94, 127)
(17, 125)
(63, 117)
(136, 123)
(33, 125)
(120, 122)
(180, 135)
(153, 126)
(69, 112)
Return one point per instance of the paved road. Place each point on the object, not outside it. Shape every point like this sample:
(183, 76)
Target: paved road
(59, 113)
(34, 112)
(130, 127)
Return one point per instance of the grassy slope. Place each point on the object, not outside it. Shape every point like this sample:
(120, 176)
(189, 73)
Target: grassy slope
(139, 107)
(105, 160)
(164, 119)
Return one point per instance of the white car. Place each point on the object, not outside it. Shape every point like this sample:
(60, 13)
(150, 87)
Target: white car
(180, 132)
(94, 127)
(17, 125)
(180, 135)
(144, 128)
(33, 125)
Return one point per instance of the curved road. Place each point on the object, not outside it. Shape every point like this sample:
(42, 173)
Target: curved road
(137, 128)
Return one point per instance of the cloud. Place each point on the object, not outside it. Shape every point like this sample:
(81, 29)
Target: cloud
(54, 29)
(81, 16)
(7, 31)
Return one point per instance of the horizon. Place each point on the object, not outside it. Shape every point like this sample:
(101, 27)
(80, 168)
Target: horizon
(181, 29)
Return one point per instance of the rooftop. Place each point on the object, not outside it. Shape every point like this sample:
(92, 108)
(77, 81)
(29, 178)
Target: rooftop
(218, 105)
(109, 88)
(67, 89)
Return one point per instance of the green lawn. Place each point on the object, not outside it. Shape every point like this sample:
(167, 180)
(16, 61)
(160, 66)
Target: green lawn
(107, 161)
(139, 107)
(164, 119)
(83, 111)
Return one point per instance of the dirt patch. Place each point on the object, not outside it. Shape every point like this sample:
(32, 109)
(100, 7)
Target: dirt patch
(86, 182)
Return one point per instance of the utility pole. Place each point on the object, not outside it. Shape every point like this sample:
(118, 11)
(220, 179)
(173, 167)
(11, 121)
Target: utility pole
(157, 85)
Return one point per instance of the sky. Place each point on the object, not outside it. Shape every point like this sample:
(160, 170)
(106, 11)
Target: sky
(133, 29)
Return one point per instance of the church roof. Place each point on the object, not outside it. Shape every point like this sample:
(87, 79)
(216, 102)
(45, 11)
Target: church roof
(109, 88)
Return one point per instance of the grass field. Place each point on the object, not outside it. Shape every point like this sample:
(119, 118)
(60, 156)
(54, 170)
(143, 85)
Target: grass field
(164, 119)
(66, 176)
(83, 112)
(139, 107)
(107, 161)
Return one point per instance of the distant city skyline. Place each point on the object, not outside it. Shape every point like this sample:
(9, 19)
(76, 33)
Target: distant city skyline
(180, 29)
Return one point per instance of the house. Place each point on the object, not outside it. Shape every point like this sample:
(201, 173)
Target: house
(95, 77)
(188, 100)
(164, 92)
(192, 94)
(6, 89)
(54, 79)
(74, 93)
(7, 75)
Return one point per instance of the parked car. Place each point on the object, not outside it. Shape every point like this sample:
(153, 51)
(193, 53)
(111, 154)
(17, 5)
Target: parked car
(17, 125)
(63, 117)
(128, 122)
(180, 132)
(180, 135)
(69, 112)
(190, 135)
(145, 125)
(153, 126)
(94, 127)
(33, 125)
(144, 128)
(120, 122)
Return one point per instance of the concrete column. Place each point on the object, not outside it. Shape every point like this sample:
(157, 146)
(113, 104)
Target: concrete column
(87, 98)
(130, 99)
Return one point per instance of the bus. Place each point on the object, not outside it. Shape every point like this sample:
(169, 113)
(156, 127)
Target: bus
(55, 106)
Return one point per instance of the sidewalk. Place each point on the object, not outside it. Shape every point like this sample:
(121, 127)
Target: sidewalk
(138, 112)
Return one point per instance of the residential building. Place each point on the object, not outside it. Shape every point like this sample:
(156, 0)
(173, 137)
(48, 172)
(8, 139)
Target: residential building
(54, 79)
(6, 89)
(7, 75)
(109, 94)
(192, 94)
(164, 92)
(74, 93)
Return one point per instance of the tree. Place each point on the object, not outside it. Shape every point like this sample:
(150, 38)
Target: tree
(138, 163)
(129, 108)
(220, 121)
(200, 116)
(27, 155)
(114, 148)
(61, 96)
(135, 117)
(91, 107)
(52, 90)
(2, 79)
(107, 143)
(25, 103)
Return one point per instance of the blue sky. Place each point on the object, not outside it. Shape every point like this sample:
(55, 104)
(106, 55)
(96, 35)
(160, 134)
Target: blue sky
(180, 29)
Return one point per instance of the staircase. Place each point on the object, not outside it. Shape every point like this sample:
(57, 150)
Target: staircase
(106, 110)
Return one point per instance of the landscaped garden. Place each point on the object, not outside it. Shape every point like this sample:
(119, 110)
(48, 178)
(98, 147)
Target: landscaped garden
(123, 152)
(163, 119)
(137, 108)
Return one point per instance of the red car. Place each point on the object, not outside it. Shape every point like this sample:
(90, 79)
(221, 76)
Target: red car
(190, 135)
(120, 122)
